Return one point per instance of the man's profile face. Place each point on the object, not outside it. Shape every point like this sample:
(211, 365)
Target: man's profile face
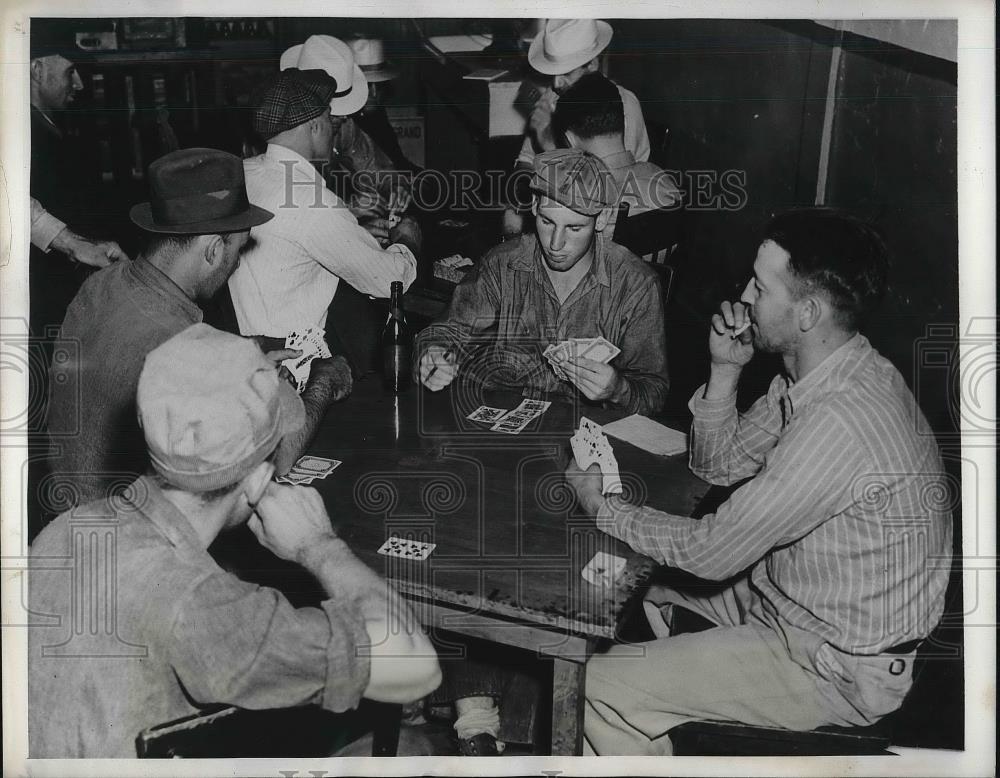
(58, 82)
(771, 297)
(564, 235)
(564, 81)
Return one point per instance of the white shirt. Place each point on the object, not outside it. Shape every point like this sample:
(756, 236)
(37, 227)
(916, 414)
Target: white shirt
(636, 137)
(287, 280)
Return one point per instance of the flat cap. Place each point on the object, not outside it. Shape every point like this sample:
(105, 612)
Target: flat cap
(576, 179)
(290, 98)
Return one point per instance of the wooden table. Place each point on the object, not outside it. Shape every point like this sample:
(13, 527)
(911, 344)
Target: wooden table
(510, 540)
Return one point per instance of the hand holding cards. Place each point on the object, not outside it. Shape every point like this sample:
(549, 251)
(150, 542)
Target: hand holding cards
(598, 349)
(310, 341)
(591, 447)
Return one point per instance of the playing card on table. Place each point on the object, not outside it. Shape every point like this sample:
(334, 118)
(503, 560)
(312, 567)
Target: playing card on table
(296, 479)
(512, 425)
(487, 414)
(406, 549)
(603, 569)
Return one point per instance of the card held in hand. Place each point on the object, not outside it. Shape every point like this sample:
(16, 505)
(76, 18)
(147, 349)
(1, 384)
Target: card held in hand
(591, 446)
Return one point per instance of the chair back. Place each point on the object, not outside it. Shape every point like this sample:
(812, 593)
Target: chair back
(654, 235)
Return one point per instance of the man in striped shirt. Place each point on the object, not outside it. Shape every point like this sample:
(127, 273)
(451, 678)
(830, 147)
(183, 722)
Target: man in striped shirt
(834, 557)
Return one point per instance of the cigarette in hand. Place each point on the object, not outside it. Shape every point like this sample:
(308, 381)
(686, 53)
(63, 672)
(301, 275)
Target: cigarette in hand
(741, 330)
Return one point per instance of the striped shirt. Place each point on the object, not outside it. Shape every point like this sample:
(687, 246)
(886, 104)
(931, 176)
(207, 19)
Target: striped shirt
(287, 279)
(846, 523)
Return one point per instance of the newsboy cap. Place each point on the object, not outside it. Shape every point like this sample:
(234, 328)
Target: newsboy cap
(290, 98)
(576, 179)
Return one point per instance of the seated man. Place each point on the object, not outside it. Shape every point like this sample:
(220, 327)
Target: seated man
(591, 117)
(187, 634)
(287, 280)
(568, 281)
(378, 186)
(198, 224)
(838, 560)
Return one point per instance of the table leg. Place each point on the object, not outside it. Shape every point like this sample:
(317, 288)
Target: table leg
(568, 679)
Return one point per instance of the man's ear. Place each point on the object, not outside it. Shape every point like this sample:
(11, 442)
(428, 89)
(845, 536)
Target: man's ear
(811, 309)
(36, 69)
(593, 65)
(534, 205)
(214, 246)
(603, 218)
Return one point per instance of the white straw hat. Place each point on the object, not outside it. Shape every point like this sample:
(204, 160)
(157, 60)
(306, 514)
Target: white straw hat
(369, 55)
(566, 44)
(325, 52)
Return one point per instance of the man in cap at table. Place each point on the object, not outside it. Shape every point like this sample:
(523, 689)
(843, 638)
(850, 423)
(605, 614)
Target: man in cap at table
(378, 187)
(187, 635)
(288, 279)
(566, 50)
(569, 281)
(198, 223)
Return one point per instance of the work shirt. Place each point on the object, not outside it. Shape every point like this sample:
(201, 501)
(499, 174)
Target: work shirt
(44, 226)
(162, 631)
(120, 314)
(288, 277)
(846, 525)
(636, 137)
(509, 304)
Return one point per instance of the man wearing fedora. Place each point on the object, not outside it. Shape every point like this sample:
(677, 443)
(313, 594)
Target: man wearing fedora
(187, 634)
(566, 50)
(198, 223)
(288, 279)
(378, 186)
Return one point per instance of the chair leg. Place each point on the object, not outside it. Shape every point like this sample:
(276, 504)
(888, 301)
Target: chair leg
(388, 718)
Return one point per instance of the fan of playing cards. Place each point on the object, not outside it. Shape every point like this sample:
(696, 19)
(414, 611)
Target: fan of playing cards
(308, 469)
(590, 446)
(310, 341)
(598, 349)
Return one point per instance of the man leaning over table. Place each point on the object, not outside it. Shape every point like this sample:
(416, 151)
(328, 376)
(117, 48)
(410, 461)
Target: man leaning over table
(569, 281)
(287, 280)
(197, 225)
(840, 555)
(188, 634)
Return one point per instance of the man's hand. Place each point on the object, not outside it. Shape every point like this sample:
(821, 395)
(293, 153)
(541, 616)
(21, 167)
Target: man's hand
(290, 520)
(587, 484)
(725, 350)
(596, 380)
(399, 199)
(438, 368)
(336, 373)
(96, 253)
(540, 121)
(513, 223)
(378, 227)
(408, 233)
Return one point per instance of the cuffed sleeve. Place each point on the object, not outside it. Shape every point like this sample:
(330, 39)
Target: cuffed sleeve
(44, 226)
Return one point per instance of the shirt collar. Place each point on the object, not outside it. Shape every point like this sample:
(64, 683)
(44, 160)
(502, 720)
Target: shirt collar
(147, 498)
(276, 153)
(150, 275)
(531, 260)
(828, 370)
(619, 160)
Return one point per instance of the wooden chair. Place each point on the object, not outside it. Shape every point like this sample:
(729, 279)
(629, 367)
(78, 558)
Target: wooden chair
(656, 237)
(226, 731)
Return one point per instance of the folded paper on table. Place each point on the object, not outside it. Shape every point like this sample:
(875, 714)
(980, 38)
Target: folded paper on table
(651, 436)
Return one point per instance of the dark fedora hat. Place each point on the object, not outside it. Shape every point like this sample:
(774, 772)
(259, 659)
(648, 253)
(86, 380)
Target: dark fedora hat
(198, 192)
(57, 37)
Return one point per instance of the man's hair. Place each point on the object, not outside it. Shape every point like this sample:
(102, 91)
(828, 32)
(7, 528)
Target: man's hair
(836, 254)
(172, 245)
(590, 108)
(206, 498)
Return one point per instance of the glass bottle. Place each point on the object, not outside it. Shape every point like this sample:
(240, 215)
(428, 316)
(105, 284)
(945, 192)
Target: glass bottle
(397, 344)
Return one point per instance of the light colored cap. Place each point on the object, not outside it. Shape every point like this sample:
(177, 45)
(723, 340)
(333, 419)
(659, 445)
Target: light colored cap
(212, 408)
(576, 179)
(566, 44)
(336, 58)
